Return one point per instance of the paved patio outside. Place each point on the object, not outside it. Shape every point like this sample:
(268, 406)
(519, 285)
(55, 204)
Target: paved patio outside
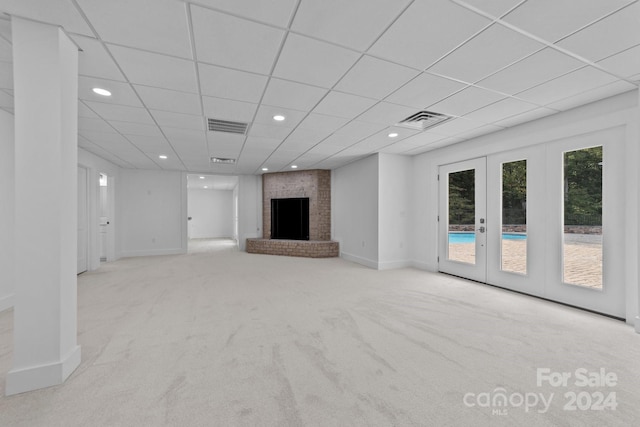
(582, 258)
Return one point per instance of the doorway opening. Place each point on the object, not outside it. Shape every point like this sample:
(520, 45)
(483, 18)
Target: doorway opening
(212, 213)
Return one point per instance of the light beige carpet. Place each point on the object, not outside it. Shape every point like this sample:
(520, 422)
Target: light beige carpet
(225, 338)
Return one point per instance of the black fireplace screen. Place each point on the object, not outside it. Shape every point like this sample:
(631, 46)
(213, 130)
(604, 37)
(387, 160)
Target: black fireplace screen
(290, 218)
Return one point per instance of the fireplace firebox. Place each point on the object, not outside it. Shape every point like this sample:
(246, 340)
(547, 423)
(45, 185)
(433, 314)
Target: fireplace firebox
(290, 218)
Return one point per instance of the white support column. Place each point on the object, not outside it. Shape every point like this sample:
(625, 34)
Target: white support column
(637, 319)
(45, 73)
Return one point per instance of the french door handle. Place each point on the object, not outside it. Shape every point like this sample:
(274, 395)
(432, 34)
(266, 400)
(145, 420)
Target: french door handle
(481, 229)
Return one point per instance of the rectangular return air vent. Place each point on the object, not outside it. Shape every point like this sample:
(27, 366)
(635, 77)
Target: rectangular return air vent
(217, 125)
(423, 120)
(222, 160)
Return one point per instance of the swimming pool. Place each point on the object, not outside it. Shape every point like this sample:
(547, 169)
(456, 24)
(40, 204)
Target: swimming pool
(457, 237)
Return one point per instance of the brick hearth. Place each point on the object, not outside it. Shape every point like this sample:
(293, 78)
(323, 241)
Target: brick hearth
(314, 184)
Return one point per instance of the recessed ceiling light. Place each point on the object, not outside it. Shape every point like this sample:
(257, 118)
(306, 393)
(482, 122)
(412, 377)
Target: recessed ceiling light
(393, 135)
(101, 91)
(265, 169)
(294, 167)
(162, 156)
(206, 186)
(202, 177)
(278, 117)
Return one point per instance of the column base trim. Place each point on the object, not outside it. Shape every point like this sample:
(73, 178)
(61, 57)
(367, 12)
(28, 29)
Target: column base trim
(637, 324)
(37, 377)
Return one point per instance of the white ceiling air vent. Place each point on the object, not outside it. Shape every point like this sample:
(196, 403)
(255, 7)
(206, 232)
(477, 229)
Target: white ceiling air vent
(222, 160)
(423, 120)
(217, 125)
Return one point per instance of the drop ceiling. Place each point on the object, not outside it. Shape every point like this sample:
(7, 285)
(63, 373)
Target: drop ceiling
(342, 72)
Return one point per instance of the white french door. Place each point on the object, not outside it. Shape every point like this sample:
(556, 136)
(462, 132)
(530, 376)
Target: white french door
(462, 219)
(540, 220)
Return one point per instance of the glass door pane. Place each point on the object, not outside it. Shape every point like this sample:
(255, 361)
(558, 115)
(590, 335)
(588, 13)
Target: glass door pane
(582, 244)
(513, 238)
(462, 217)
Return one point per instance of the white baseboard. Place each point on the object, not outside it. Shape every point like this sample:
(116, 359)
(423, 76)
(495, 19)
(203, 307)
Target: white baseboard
(37, 377)
(637, 324)
(6, 302)
(359, 260)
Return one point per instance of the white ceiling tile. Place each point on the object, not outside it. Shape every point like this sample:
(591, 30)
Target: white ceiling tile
(424, 138)
(386, 113)
(531, 71)
(122, 113)
(155, 25)
(306, 60)
(6, 51)
(499, 110)
(152, 69)
(611, 35)
(322, 122)
(57, 12)
(121, 93)
(477, 132)
(6, 100)
(341, 140)
(266, 112)
(185, 136)
(344, 105)
(382, 139)
(224, 142)
(456, 126)
(276, 12)
(269, 131)
(357, 130)
(5, 29)
(6, 75)
(95, 125)
(303, 139)
(495, 8)
(233, 84)
(226, 109)
(526, 117)
(149, 143)
(169, 100)
(465, 101)
(568, 85)
(94, 61)
(232, 42)
(325, 149)
(424, 90)
(421, 36)
(625, 64)
(356, 23)
(127, 128)
(178, 120)
(84, 111)
(593, 95)
(375, 78)
(296, 96)
(256, 144)
(553, 19)
(494, 48)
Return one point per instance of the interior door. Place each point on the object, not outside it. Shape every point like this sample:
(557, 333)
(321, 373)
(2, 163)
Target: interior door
(83, 221)
(462, 219)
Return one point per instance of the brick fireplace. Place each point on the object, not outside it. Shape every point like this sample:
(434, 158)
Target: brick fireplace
(312, 184)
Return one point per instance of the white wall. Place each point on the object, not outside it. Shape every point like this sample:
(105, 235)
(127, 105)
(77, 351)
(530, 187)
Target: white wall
(620, 110)
(394, 213)
(354, 210)
(95, 165)
(211, 213)
(7, 184)
(151, 212)
(249, 208)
